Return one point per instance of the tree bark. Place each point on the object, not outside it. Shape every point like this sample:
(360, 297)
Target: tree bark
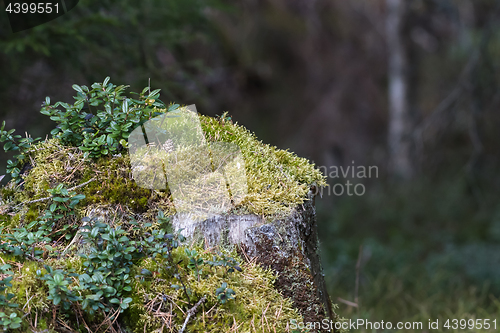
(288, 246)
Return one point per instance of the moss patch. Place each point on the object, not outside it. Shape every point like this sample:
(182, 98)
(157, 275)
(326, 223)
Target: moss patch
(114, 185)
(257, 306)
(278, 180)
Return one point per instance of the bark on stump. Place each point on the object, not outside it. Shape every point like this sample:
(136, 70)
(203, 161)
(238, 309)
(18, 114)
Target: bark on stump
(288, 246)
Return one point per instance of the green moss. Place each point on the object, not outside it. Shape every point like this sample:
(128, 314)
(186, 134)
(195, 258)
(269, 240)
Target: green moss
(114, 185)
(31, 215)
(278, 180)
(257, 306)
(51, 162)
(26, 287)
(7, 193)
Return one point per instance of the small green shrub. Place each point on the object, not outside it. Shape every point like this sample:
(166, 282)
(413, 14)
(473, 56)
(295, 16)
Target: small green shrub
(10, 320)
(107, 267)
(58, 281)
(61, 208)
(18, 144)
(21, 242)
(104, 129)
(224, 293)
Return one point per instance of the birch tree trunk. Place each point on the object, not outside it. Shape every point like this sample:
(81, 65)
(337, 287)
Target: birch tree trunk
(400, 141)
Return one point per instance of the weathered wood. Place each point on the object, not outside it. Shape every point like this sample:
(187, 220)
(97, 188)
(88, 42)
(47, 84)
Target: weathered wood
(289, 246)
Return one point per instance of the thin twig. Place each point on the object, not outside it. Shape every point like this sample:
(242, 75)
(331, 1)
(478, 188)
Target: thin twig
(358, 268)
(191, 312)
(47, 198)
(341, 300)
(29, 256)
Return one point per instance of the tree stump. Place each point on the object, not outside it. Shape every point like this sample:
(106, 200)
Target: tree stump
(288, 246)
(230, 191)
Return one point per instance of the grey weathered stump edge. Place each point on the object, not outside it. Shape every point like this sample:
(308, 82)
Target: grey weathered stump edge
(278, 244)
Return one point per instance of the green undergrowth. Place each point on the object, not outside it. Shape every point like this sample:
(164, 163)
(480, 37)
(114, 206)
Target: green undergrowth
(415, 296)
(430, 251)
(156, 298)
(256, 304)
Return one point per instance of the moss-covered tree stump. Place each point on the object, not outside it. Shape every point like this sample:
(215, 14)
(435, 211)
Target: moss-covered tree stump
(85, 248)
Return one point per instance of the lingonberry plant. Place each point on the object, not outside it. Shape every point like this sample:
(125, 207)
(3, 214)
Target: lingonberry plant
(101, 119)
(98, 122)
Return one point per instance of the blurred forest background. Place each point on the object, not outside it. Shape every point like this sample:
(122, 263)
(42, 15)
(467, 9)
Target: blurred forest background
(411, 87)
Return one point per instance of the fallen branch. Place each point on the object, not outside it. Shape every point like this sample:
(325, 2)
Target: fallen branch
(191, 312)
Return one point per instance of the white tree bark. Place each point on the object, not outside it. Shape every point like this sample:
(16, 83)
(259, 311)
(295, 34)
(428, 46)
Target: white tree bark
(400, 121)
